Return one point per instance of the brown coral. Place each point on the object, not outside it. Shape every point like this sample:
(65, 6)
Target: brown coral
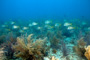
(2, 39)
(87, 53)
(55, 42)
(28, 49)
(79, 49)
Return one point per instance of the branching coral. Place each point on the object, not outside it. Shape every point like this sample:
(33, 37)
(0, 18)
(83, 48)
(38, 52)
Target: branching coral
(64, 48)
(87, 38)
(28, 49)
(55, 42)
(11, 39)
(79, 49)
(2, 39)
(2, 55)
(87, 53)
(55, 39)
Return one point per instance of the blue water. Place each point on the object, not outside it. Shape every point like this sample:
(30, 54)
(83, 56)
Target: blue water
(44, 9)
(41, 29)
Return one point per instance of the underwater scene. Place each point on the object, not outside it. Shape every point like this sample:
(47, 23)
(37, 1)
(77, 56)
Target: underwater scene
(44, 29)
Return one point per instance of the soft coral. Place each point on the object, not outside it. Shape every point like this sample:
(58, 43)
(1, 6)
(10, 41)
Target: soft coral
(28, 49)
(87, 53)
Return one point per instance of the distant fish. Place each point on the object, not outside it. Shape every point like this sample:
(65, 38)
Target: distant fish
(67, 24)
(12, 22)
(30, 25)
(8, 29)
(38, 28)
(4, 26)
(57, 24)
(88, 28)
(21, 31)
(48, 22)
(25, 28)
(49, 26)
(70, 28)
(84, 23)
(15, 27)
(34, 23)
(65, 20)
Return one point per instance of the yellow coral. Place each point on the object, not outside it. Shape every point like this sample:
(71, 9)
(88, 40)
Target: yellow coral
(53, 58)
(87, 53)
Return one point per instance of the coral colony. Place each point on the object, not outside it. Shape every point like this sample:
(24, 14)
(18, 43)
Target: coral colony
(45, 40)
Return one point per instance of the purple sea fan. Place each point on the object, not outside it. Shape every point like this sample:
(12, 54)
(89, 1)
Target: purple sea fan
(64, 48)
(87, 38)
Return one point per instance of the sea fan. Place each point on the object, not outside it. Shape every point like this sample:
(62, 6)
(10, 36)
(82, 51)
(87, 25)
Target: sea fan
(64, 48)
(2, 39)
(55, 42)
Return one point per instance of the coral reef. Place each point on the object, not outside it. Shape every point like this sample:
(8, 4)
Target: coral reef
(64, 48)
(2, 39)
(55, 42)
(87, 38)
(79, 49)
(11, 37)
(62, 42)
(53, 58)
(28, 49)
(9, 51)
(87, 53)
(10, 41)
(50, 34)
(2, 55)
(54, 51)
